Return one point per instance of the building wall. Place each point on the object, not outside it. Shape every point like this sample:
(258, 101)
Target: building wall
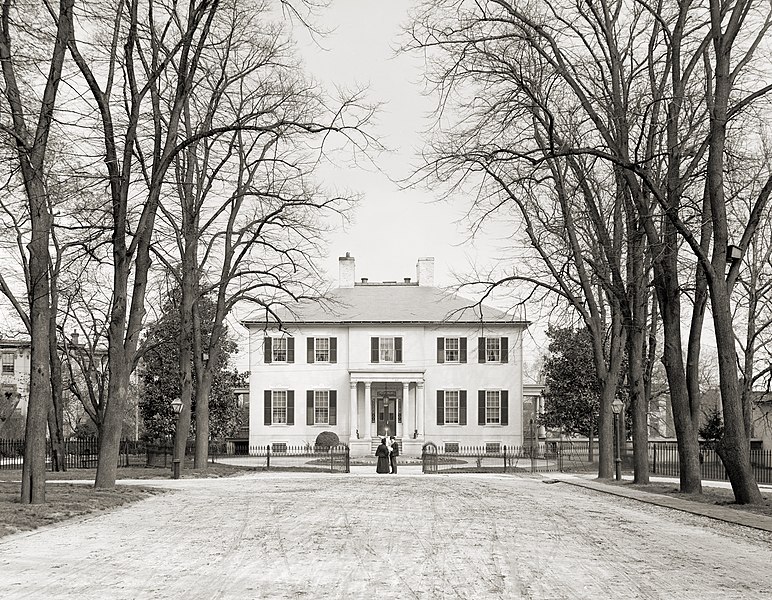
(419, 347)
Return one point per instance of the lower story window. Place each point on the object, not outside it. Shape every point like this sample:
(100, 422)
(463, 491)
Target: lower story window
(279, 407)
(492, 407)
(321, 407)
(492, 447)
(451, 447)
(279, 447)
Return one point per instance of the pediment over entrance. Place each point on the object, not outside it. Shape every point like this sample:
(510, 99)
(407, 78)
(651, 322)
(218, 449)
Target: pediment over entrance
(389, 376)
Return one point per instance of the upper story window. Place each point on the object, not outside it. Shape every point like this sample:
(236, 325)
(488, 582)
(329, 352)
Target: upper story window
(8, 362)
(451, 407)
(493, 349)
(386, 349)
(322, 349)
(451, 349)
(279, 350)
(493, 407)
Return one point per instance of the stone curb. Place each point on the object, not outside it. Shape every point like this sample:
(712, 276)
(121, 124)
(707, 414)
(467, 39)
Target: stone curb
(711, 511)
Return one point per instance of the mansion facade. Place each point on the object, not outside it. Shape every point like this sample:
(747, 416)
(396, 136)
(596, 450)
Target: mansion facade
(393, 358)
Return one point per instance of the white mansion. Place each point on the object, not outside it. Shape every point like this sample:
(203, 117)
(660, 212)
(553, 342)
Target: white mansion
(393, 358)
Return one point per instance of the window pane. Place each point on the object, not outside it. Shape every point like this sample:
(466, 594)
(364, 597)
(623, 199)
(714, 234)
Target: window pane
(8, 359)
(279, 349)
(387, 349)
(279, 406)
(492, 407)
(321, 407)
(451, 407)
(451, 349)
(322, 349)
(492, 349)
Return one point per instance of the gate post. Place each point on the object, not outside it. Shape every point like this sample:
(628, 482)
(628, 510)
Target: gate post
(268, 457)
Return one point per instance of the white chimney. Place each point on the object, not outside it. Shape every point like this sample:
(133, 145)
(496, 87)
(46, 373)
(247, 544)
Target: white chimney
(425, 271)
(346, 276)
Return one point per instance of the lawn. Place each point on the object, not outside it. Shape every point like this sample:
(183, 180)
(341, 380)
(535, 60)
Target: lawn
(66, 501)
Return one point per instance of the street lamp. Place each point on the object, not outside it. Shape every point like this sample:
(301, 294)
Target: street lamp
(616, 408)
(177, 408)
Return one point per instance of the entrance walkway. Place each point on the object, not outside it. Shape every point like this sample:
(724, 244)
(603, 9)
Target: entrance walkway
(360, 535)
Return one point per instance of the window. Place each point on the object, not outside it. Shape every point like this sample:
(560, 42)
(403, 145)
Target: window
(322, 349)
(279, 447)
(492, 407)
(451, 447)
(451, 349)
(8, 362)
(279, 404)
(321, 407)
(451, 407)
(386, 349)
(492, 447)
(280, 350)
(492, 349)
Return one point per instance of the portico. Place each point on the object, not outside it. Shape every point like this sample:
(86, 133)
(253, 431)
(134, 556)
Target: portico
(384, 403)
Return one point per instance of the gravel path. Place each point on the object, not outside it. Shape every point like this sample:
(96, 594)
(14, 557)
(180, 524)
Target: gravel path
(281, 535)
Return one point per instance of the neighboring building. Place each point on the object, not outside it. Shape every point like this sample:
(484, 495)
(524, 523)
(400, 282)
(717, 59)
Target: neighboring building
(404, 359)
(14, 386)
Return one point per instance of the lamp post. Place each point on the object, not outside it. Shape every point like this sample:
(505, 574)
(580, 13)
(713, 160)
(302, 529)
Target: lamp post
(177, 408)
(616, 408)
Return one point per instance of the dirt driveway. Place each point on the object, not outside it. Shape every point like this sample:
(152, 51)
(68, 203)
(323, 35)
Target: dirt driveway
(319, 536)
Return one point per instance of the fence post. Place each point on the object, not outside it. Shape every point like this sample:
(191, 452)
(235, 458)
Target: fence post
(654, 467)
(268, 458)
(505, 458)
(332, 460)
(348, 463)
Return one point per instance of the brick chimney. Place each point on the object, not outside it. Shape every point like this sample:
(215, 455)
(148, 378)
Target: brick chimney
(346, 275)
(425, 272)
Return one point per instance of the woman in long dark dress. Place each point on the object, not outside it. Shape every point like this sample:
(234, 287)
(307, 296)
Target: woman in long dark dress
(382, 453)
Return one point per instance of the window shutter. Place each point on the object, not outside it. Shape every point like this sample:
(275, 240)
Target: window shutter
(504, 349)
(440, 350)
(504, 407)
(398, 349)
(309, 407)
(268, 352)
(333, 407)
(374, 352)
(481, 407)
(267, 415)
(310, 350)
(462, 407)
(481, 349)
(462, 350)
(440, 407)
(290, 407)
(333, 350)
(290, 350)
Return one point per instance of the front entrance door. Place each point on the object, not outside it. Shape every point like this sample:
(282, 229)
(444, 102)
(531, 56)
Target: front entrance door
(387, 416)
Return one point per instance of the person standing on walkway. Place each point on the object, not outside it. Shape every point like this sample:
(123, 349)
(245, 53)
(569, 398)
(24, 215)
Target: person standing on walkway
(382, 454)
(394, 454)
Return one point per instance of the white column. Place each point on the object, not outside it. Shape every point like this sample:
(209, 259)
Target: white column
(369, 407)
(405, 398)
(419, 409)
(352, 415)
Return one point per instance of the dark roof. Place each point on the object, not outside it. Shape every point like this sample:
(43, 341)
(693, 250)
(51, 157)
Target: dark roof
(390, 303)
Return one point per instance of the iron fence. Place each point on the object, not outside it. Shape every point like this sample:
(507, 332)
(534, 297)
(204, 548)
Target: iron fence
(335, 459)
(77, 453)
(533, 458)
(663, 460)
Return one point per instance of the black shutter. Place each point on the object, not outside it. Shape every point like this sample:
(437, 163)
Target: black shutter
(333, 350)
(268, 352)
(462, 350)
(504, 407)
(504, 349)
(309, 407)
(290, 407)
(440, 350)
(481, 350)
(290, 350)
(440, 407)
(481, 407)
(333, 407)
(398, 349)
(267, 416)
(310, 355)
(374, 349)
(462, 407)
